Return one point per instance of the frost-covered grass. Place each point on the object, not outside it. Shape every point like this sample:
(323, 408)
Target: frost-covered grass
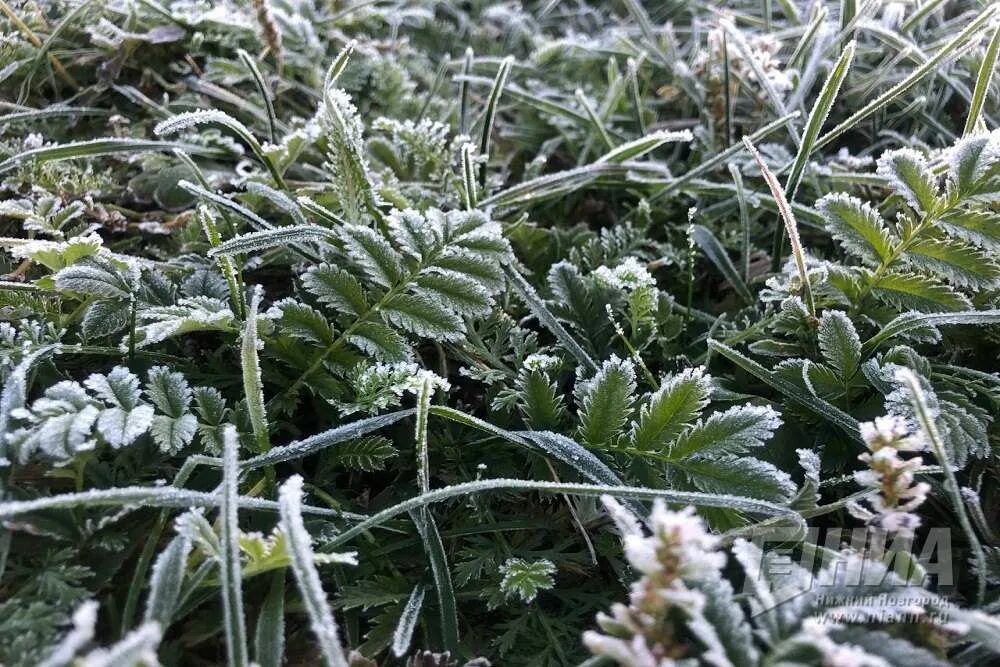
(431, 333)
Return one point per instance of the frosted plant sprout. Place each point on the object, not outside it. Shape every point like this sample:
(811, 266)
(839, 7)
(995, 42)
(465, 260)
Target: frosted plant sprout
(611, 333)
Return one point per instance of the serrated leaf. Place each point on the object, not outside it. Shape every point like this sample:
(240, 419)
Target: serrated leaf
(857, 226)
(605, 402)
(955, 261)
(121, 427)
(730, 432)
(172, 434)
(169, 391)
(373, 254)
(105, 317)
(743, 476)
(366, 454)
(677, 403)
(525, 579)
(971, 162)
(977, 226)
(380, 341)
(913, 291)
(455, 291)
(302, 321)
(908, 174)
(95, 278)
(119, 388)
(188, 315)
(839, 342)
(336, 287)
(422, 317)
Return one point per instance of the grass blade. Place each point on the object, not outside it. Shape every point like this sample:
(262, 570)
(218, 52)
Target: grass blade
(791, 226)
(403, 634)
(265, 93)
(710, 245)
(229, 564)
(983, 80)
(883, 100)
(165, 584)
(300, 549)
(253, 387)
(269, 638)
(490, 116)
(271, 238)
(97, 148)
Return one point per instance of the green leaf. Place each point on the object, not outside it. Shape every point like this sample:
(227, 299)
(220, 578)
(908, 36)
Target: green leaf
(744, 476)
(913, 291)
(229, 557)
(977, 226)
(733, 431)
(380, 341)
(100, 147)
(336, 287)
(367, 454)
(908, 174)
(605, 402)
(269, 637)
(422, 316)
(455, 291)
(303, 322)
(373, 254)
(677, 403)
(266, 239)
(971, 164)
(957, 262)
(910, 321)
(525, 579)
(857, 226)
(839, 342)
(170, 393)
(94, 277)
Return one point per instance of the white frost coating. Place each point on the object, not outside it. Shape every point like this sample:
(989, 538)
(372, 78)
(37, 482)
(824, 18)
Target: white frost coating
(84, 621)
(403, 634)
(300, 547)
(229, 563)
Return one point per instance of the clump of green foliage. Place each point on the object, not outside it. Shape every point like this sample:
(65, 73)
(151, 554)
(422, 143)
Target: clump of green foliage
(321, 344)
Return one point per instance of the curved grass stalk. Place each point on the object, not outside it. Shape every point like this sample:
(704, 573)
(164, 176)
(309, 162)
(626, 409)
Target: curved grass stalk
(229, 561)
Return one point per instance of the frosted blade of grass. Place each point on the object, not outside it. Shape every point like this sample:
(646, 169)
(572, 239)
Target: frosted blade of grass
(791, 391)
(81, 634)
(226, 203)
(537, 102)
(190, 119)
(208, 224)
(138, 647)
(271, 238)
(748, 57)
(323, 213)
(269, 638)
(562, 183)
(490, 115)
(640, 147)
(791, 226)
(918, 400)
(229, 563)
(301, 552)
(983, 80)
(595, 121)
(463, 91)
(635, 98)
(469, 194)
(698, 499)
(720, 158)
(98, 148)
(146, 496)
(818, 116)
(741, 202)
(54, 111)
(339, 64)
(924, 10)
(447, 606)
(279, 199)
(423, 455)
(710, 245)
(909, 321)
(402, 636)
(165, 584)
(303, 448)
(808, 37)
(253, 387)
(535, 304)
(265, 93)
(886, 98)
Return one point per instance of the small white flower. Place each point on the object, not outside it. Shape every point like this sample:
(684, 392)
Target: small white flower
(629, 276)
(541, 362)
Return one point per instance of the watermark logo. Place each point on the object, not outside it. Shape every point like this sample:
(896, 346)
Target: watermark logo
(860, 575)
